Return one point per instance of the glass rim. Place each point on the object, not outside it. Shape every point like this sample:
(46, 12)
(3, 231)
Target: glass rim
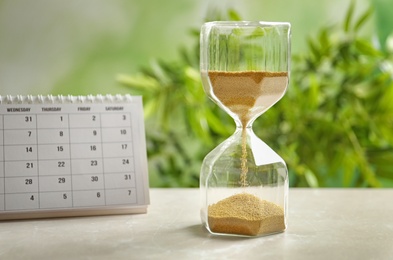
(247, 24)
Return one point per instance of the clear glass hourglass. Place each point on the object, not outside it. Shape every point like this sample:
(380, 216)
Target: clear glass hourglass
(243, 182)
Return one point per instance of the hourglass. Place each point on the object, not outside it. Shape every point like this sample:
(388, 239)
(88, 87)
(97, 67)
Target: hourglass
(243, 182)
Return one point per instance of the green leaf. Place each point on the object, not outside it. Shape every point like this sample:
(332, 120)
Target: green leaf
(233, 15)
(363, 18)
(313, 47)
(366, 48)
(138, 82)
(348, 17)
(311, 179)
(324, 39)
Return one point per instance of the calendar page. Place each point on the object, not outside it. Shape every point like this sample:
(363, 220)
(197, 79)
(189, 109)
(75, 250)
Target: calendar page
(72, 156)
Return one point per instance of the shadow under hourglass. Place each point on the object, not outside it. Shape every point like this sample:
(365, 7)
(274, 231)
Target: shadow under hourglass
(201, 232)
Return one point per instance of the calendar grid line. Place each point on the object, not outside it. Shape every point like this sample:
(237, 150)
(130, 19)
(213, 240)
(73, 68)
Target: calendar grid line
(51, 191)
(102, 157)
(78, 174)
(2, 123)
(69, 154)
(75, 158)
(74, 127)
(66, 143)
(133, 152)
(38, 159)
(70, 190)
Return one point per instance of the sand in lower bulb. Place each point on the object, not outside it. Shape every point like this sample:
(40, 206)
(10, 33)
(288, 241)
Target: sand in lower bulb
(245, 214)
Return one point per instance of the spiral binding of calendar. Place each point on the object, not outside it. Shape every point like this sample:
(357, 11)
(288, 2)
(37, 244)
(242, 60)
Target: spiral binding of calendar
(50, 99)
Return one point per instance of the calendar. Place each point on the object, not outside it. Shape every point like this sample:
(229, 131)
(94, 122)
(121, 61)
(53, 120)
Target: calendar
(72, 156)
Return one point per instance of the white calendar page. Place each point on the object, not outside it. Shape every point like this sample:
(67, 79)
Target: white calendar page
(72, 156)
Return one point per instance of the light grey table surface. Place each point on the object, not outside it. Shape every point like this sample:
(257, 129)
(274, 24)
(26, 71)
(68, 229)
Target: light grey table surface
(323, 224)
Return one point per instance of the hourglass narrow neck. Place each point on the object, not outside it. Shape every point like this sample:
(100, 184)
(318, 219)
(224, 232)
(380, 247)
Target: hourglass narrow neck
(242, 123)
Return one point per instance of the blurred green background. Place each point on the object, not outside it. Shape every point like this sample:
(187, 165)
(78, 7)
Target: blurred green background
(78, 47)
(333, 127)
